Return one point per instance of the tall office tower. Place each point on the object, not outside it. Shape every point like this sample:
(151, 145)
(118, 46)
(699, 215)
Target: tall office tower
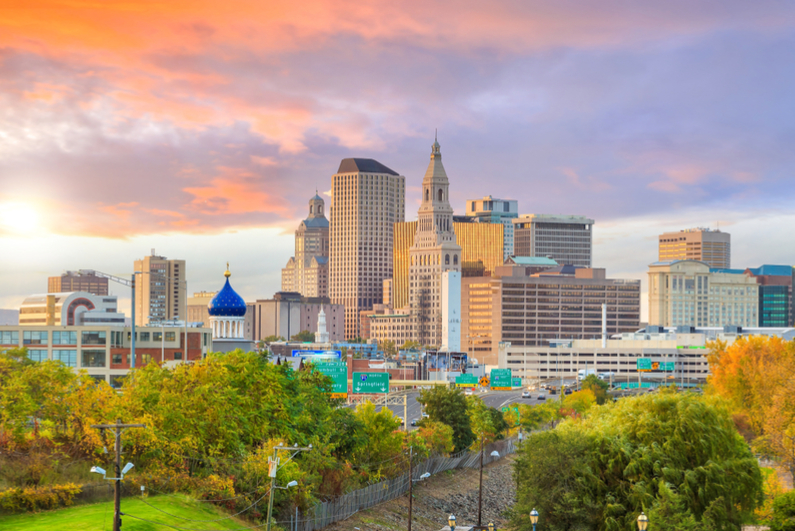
(367, 200)
(490, 210)
(160, 290)
(566, 239)
(704, 245)
(687, 292)
(434, 252)
(76, 281)
(481, 253)
(307, 272)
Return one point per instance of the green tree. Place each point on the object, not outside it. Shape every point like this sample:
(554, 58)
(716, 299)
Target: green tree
(411, 345)
(304, 336)
(449, 406)
(600, 472)
(384, 440)
(487, 423)
(784, 512)
(271, 339)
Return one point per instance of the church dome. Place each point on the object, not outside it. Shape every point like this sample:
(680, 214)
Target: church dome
(227, 303)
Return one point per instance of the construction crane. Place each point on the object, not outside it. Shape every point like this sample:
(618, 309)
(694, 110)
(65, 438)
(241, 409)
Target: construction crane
(130, 284)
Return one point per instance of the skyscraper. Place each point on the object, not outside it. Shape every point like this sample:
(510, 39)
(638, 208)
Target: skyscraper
(704, 245)
(566, 239)
(434, 252)
(367, 200)
(160, 290)
(307, 272)
(490, 210)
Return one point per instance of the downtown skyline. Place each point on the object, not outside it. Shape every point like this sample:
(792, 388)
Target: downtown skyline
(202, 130)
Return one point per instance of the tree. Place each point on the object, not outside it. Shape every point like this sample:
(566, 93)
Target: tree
(677, 456)
(304, 336)
(487, 423)
(449, 406)
(784, 512)
(389, 349)
(272, 339)
(384, 439)
(411, 345)
(597, 386)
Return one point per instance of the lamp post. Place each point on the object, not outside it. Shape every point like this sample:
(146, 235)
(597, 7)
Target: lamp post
(451, 522)
(534, 518)
(495, 453)
(273, 465)
(491, 526)
(643, 521)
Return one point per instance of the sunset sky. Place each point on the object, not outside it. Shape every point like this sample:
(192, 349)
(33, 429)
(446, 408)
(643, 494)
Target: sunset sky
(202, 128)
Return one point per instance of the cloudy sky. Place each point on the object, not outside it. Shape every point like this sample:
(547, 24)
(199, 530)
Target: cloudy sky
(201, 128)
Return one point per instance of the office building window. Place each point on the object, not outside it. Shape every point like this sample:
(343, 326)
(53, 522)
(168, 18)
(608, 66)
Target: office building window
(34, 338)
(9, 338)
(64, 338)
(93, 358)
(37, 355)
(170, 336)
(67, 357)
(157, 336)
(144, 336)
(177, 355)
(94, 338)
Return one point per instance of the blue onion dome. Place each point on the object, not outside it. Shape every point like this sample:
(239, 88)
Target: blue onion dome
(227, 303)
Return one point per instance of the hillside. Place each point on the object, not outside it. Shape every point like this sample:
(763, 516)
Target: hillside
(454, 491)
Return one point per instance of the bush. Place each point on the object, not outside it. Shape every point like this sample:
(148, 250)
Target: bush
(17, 500)
(784, 512)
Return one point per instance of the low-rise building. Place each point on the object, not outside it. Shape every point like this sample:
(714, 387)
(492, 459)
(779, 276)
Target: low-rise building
(104, 350)
(69, 309)
(288, 313)
(677, 355)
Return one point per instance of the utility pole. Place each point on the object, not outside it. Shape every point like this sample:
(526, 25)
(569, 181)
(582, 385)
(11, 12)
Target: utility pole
(411, 484)
(118, 427)
(480, 490)
(274, 467)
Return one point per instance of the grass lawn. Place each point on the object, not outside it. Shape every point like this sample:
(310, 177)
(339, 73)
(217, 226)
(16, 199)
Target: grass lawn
(99, 516)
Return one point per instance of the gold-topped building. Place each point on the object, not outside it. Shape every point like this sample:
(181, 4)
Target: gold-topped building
(481, 252)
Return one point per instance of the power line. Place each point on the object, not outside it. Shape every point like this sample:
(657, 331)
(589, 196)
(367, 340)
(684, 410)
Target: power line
(206, 521)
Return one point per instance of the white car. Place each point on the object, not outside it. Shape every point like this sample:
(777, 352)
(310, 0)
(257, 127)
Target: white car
(469, 392)
(525, 394)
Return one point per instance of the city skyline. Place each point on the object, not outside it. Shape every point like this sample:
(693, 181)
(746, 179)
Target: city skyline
(128, 130)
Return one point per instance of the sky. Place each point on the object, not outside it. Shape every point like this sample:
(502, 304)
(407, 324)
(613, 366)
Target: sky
(201, 129)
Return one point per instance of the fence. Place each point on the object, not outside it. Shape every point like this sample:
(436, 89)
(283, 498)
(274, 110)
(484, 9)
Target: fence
(326, 513)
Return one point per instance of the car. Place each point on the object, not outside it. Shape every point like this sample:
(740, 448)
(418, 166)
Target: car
(542, 396)
(469, 392)
(568, 391)
(553, 391)
(399, 420)
(424, 415)
(413, 422)
(526, 394)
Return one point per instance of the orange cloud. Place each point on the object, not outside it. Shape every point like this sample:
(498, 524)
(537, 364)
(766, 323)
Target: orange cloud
(234, 193)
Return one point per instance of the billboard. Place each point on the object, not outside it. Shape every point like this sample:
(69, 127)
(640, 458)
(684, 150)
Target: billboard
(310, 353)
(338, 372)
(500, 379)
(370, 382)
(446, 361)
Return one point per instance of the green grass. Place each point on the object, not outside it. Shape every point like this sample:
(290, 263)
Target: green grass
(99, 516)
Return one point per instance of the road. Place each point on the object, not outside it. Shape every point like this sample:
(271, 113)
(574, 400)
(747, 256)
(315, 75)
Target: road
(495, 399)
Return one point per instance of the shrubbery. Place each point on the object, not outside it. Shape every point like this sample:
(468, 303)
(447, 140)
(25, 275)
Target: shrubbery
(17, 500)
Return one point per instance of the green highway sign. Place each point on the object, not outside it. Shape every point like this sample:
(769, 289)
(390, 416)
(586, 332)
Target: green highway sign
(516, 382)
(338, 372)
(466, 380)
(500, 379)
(668, 366)
(370, 382)
(643, 364)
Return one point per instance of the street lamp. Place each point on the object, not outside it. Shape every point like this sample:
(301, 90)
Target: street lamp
(643, 521)
(534, 518)
(451, 522)
(491, 526)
